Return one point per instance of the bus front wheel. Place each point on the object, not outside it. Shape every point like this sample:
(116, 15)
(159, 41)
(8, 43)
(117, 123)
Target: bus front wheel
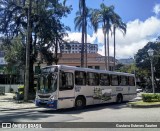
(119, 98)
(80, 103)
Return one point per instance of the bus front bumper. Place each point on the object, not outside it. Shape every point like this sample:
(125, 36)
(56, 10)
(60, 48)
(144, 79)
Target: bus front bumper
(46, 104)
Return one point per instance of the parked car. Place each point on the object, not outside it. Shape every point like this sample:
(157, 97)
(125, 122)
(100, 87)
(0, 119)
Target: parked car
(138, 90)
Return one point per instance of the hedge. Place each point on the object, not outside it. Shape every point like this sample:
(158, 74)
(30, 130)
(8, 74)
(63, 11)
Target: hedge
(151, 97)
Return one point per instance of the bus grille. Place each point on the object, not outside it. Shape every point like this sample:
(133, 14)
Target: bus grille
(44, 96)
(42, 104)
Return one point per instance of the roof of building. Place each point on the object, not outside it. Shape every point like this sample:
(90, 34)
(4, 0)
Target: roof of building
(78, 55)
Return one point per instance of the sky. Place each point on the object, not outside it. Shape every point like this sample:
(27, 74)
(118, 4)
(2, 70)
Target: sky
(143, 25)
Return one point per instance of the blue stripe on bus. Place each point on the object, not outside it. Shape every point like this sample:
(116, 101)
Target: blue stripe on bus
(131, 94)
(92, 96)
(66, 98)
(89, 96)
(124, 94)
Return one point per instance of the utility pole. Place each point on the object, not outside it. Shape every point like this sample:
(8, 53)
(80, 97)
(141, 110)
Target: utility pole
(27, 75)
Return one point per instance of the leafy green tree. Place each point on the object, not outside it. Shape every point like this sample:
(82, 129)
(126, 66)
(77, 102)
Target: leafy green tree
(47, 30)
(103, 16)
(14, 52)
(143, 60)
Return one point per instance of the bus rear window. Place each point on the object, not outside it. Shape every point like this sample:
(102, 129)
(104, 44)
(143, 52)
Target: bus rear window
(131, 81)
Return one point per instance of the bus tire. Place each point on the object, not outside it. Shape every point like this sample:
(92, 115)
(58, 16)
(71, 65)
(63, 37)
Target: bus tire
(119, 98)
(80, 102)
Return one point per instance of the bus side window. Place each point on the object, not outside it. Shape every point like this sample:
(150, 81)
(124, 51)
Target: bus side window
(80, 78)
(123, 81)
(93, 79)
(66, 81)
(104, 80)
(114, 80)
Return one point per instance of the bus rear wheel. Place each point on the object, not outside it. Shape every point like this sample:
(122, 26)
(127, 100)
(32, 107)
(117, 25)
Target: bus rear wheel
(119, 98)
(79, 103)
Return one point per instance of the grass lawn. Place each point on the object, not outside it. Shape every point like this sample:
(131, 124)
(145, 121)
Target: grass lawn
(141, 103)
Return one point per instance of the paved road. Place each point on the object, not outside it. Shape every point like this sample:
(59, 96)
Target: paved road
(102, 113)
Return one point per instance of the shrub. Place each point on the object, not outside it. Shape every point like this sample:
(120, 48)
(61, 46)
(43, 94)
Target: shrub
(151, 97)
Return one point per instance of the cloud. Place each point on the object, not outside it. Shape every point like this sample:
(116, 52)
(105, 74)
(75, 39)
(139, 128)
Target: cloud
(156, 9)
(139, 33)
(76, 36)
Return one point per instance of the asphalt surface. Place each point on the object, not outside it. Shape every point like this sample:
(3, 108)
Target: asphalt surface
(27, 112)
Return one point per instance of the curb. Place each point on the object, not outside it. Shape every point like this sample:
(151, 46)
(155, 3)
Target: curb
(9, 109)
(143, 106)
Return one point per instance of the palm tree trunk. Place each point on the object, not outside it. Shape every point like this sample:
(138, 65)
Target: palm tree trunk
(108, 63)
(106, 67)
(56, 51)
(83, 34)
(86, 41)
(114, 31)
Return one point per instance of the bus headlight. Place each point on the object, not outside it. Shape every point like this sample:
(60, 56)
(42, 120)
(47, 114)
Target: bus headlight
(52, 98)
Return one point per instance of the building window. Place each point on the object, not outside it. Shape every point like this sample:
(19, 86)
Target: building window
(89, 66)
(110, 68)
(97, 67)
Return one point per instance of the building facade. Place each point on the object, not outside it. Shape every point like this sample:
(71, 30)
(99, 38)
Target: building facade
(94, 60)
(75, 47)
(71, 55)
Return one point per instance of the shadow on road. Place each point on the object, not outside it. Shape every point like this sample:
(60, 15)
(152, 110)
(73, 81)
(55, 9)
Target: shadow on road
(86, 109)
(15, 116)
(54, 115)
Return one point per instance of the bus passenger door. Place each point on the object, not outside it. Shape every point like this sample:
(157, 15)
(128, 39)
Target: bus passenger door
(66, 94)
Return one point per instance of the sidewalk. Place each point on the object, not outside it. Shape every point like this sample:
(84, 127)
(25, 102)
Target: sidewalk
(7, 103)
(139, 97)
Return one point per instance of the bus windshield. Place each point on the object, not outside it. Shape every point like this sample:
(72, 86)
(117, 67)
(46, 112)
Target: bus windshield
(47, 83)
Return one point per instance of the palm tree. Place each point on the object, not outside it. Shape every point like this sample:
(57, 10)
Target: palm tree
(78, 21)
(117, 24)
(82, 7)
(103, 16)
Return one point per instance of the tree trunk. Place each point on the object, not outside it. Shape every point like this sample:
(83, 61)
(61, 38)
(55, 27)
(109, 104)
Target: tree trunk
(27, 75)
(83, 26)
(114, 31)
(108, 61)
(86, 41)
(56, 50)
(31, 78)
(106, 67)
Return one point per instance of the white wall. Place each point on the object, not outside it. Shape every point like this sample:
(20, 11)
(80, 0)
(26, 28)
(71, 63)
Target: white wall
(7, 87)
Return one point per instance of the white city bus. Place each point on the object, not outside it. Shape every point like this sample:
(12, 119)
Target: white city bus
(62, 86)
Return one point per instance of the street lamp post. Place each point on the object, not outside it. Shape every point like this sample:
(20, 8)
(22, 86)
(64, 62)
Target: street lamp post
(150, 53)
